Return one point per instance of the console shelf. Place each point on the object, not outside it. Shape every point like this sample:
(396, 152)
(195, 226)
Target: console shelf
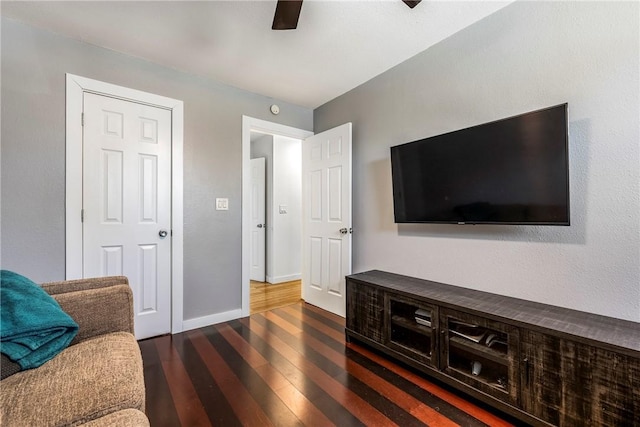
(479, 350)
(412, 325)
(406, 328)
(545, 365)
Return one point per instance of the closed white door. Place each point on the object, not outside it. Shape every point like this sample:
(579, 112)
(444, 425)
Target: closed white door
(258, 211)
(127, 203)
(326, 218)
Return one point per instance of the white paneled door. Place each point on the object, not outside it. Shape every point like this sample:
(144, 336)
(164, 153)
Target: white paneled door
(258, 225)
(127, 203)
(326, 213)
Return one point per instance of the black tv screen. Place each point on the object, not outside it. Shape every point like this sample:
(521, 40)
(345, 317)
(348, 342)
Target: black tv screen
(510, 171)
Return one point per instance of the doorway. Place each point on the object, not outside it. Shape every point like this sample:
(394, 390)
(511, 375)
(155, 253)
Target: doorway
(276, 221)
(285, 142)
(276, 235)
(326, 211)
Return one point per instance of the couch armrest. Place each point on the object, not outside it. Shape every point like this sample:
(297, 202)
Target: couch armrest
(64, 286)
(99, 306)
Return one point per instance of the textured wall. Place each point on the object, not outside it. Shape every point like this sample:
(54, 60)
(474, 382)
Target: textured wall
(527, 56)
(34, 64)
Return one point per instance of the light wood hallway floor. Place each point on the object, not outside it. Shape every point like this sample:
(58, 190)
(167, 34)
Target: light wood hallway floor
(267, 296)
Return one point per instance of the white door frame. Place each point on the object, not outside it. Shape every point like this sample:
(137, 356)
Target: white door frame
(250, 124)
(76, 86)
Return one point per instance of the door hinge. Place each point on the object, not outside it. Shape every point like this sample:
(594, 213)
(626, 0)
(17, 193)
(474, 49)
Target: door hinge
(82, 119)
(81, 215)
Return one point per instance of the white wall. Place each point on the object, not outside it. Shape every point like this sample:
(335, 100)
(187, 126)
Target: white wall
(287, 193)
(526, 56)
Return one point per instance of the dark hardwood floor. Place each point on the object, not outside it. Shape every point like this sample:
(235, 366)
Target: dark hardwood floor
(289, 367)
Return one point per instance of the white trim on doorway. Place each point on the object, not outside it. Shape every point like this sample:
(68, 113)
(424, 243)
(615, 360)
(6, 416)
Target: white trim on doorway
(249, 124)
(76, 86)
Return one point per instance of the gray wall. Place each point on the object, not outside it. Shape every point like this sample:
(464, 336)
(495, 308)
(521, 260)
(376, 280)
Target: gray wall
(527, 56)
(34, 64)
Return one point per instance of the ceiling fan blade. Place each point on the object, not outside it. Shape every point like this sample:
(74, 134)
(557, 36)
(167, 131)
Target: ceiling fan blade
(287, 14)
(411, 3)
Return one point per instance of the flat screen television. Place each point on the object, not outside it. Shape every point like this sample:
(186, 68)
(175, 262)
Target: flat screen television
(510, 171)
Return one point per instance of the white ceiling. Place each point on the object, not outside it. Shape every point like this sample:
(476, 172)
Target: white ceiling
(338, 44)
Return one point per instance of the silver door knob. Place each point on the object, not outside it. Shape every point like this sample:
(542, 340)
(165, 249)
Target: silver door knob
(343, 231)
(262, 225)
(163, 233)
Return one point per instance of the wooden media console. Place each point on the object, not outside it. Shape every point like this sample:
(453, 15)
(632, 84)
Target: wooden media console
(543, 364)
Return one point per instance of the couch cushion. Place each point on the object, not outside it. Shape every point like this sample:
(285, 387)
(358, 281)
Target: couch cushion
(86, 381)
(99, 311)
(124, 418)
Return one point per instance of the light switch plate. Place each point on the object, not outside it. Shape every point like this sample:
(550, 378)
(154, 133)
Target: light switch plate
(282, 209)
(222, 204)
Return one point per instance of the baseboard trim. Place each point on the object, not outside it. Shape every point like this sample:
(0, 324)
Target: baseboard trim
(212, 319)
(282, 279)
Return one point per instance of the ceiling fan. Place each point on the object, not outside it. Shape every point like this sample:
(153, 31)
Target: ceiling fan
(288, 12)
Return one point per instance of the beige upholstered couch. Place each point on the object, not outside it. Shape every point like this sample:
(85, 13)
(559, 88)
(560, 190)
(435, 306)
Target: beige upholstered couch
(97, 380)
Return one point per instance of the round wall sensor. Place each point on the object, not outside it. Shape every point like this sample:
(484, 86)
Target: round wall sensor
(275, 109)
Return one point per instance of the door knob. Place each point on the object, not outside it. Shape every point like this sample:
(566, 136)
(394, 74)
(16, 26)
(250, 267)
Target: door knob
(163, 233)
(262, 225)
(343, 231)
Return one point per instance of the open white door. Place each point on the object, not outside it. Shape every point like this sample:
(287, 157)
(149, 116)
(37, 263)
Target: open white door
(259, 229)
(326, 218)
(127, 203)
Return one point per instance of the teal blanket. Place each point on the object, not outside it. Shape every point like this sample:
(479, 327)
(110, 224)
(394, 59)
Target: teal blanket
(33, 327)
